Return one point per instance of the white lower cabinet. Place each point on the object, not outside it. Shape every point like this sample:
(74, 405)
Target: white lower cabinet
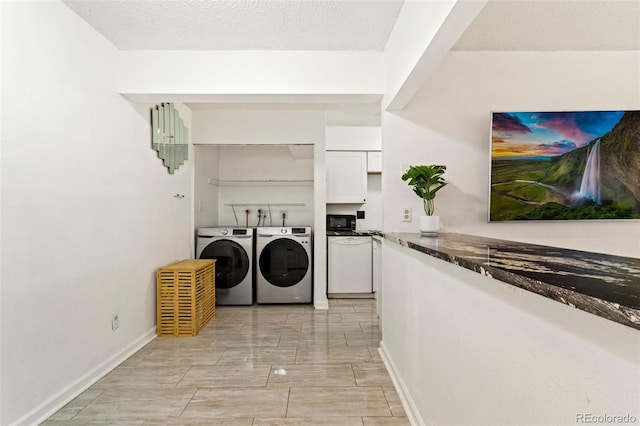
(349, 266)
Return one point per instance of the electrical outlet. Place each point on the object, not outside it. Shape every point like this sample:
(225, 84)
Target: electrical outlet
(406, 214)
(115, 321)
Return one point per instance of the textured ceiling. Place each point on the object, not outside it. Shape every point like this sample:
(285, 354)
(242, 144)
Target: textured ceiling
(516, 25)
(242, 24)
(549, 25)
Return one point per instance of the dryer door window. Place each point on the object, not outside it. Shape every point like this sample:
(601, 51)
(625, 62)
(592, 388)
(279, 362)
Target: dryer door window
(232, 262)
(283, 262)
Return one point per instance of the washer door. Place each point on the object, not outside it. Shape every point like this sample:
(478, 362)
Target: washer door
(283, 262)
(232, 262)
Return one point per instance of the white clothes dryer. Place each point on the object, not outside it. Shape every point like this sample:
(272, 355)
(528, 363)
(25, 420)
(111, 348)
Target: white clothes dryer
(283, 267)
(233, 250)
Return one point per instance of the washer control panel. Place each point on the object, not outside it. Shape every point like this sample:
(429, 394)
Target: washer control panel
(295, 231)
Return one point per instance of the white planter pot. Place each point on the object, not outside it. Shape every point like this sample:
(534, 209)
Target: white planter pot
(429, 225)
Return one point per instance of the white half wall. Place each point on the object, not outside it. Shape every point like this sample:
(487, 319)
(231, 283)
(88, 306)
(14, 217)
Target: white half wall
(448, 122)
(88, 212)
(466, 349)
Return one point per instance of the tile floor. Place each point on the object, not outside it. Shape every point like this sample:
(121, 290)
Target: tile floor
(232, 373)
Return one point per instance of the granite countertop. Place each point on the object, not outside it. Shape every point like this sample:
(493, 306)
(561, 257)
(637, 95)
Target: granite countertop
(602, 284)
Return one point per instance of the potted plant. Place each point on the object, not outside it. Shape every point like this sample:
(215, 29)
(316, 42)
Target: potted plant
(426, 182)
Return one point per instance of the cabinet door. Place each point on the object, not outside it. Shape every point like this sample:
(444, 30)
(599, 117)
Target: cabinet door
(346, 177)
(349, 265)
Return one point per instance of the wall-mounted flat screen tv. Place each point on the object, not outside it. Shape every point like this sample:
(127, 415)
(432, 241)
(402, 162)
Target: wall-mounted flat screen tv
(578, 165)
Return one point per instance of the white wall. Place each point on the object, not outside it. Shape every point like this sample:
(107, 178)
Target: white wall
(354, 138)
(373, 207)
(282, 74)
(206, 169)
(88, 211)
(466, 349)
(448, 123)
(265, 175)
(253, 149)
(254, 127)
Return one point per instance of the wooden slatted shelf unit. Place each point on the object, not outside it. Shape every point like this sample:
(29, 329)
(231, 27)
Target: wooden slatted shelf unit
(186, 297)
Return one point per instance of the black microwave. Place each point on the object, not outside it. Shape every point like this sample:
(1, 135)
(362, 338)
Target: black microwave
(341, 222)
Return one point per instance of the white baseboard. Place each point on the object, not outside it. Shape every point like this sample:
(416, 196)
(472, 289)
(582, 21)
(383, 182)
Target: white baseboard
(321, 304)
(68, 393)
(405, 397)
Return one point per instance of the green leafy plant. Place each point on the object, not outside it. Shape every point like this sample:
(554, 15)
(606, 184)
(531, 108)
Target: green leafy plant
(426, 181)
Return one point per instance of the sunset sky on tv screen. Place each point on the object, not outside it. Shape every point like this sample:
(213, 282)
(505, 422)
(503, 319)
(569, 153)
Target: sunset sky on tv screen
(520, 135)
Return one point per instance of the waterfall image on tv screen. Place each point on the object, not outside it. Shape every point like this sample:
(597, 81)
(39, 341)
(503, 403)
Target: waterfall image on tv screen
(565, 165)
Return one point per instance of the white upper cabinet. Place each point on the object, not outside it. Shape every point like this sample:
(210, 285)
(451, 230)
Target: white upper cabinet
(346, 177)
(374, 162)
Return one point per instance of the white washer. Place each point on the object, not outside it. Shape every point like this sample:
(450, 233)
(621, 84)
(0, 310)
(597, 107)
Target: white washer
(283, 267)
(233, 250)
